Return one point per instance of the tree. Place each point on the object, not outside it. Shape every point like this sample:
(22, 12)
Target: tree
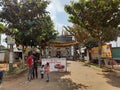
(28, 20)
(2, 28)
(99, 17)
(80, 34)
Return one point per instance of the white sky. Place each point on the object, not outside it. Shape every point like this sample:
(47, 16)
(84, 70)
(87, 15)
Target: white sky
(116, 43)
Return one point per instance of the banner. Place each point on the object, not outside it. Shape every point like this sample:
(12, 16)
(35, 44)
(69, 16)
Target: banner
(106, 52)
(56, 64)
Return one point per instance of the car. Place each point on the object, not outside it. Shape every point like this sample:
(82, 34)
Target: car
(59, 66)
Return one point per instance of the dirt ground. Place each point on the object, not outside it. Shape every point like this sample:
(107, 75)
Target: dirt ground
(77, 77)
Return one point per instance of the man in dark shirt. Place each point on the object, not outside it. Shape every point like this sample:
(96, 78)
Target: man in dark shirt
(35, 66)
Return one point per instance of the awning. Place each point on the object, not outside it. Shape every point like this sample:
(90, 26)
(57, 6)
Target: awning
(63, 44)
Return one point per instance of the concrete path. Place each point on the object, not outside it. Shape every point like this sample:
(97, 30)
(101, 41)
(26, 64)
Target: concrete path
(78, 77)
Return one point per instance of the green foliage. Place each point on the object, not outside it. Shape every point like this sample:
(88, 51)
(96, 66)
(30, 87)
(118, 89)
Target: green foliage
(78, 32)
(28, 21)
(2, 28)
(99, 17)
(91, 44)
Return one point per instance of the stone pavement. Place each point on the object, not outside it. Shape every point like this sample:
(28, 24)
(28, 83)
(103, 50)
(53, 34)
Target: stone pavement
(77, 77)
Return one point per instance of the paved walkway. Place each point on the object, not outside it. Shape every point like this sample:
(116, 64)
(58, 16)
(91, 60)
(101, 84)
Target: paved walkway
(78, 77)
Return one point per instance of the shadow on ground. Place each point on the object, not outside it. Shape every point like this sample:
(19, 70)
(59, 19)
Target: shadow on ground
(66, 83)
(111, 76)
(112, 79)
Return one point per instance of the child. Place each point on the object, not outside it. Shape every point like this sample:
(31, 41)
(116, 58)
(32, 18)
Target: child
(47, 71)
(42, 71)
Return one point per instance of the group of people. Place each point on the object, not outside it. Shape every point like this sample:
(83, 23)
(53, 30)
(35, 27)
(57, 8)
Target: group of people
(32, 62)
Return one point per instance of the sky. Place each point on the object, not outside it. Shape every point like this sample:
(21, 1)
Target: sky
(60, 17)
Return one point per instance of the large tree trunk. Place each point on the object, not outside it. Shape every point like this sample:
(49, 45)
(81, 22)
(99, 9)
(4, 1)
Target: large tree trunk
(99, 52)
(23, 57)
(80, 54)
(11, 58)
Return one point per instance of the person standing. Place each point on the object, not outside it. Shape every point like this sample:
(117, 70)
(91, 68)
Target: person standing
(35, 66)
(1, 77)
(42, 70)
(29, 62)
(47, 71)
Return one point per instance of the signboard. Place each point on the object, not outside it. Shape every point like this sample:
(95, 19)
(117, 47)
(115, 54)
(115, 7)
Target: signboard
(56, 64)
(106, 52)
(10, 40)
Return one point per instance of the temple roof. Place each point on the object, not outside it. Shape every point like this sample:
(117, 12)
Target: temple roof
(63, 41)
(62, 44)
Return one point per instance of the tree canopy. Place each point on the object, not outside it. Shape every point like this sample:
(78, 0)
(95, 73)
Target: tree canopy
(2, 28)
(28, 20)
(78, 32)
(99, 17)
